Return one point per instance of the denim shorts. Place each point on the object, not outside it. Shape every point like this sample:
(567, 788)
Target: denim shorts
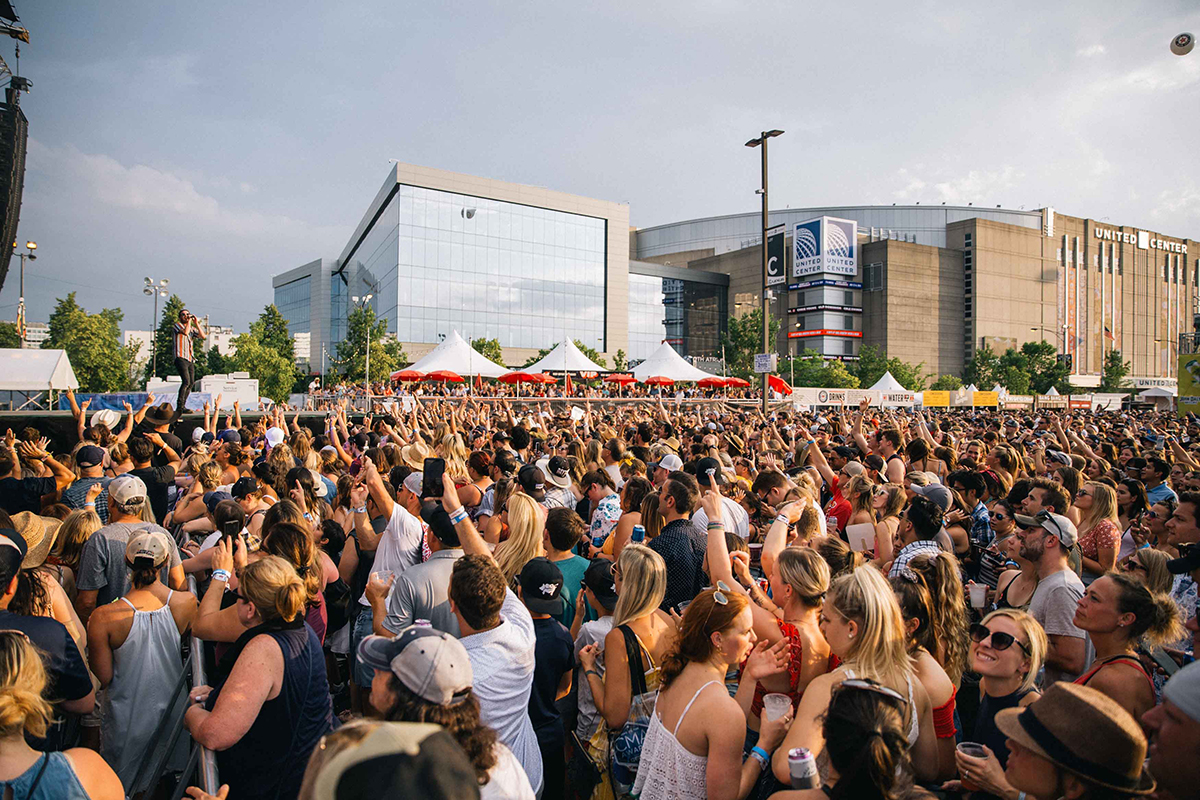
(363, 625)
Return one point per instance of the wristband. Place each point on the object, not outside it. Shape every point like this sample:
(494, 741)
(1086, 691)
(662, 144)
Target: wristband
(712, 525)
(459, 515)
(760, 755)
(89, 505)
(361, 510)
(587, 672)
(784, 519)
(221, 575)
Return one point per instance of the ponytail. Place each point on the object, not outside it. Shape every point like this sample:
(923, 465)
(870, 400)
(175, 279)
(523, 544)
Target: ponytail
(273, 586)
(866, 742)
(22, 681)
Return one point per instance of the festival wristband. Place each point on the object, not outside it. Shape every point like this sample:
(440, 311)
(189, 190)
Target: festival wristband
(784, 519)
(360, 510)
(459, 515)
(89, 505)
(221, 575)
(760, 755)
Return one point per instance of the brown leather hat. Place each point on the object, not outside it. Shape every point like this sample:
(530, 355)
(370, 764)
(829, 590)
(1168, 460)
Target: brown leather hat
(1084, 732)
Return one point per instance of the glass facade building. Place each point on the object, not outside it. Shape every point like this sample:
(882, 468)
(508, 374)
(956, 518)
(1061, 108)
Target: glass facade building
(294, 301)
(695, 316)
(647, 327)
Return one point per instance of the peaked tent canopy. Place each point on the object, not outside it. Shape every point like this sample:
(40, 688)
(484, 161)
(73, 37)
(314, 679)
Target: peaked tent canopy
(455, 355)
(565, 357)
(36, 371)
(971, 388)
(1000, 390)
(887, 383)
(666, 363)
(1158, 391)
(1052, 393)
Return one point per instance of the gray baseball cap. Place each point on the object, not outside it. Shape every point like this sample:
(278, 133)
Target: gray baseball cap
(1056, 524)
(430, 663)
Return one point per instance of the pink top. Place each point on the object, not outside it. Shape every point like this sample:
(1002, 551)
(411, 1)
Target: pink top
(1104, 534)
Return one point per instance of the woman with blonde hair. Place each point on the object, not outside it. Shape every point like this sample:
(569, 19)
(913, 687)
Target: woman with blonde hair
(1146, 563)
(862, 623)
(1099, 529)
(191, 505)
(640, 638)
(887, 503)
(75, 774)
(269, 704)
(525, 525)
(860, 491)
(591, 456)
(74, 532)
(455, 453)
(1008, 650)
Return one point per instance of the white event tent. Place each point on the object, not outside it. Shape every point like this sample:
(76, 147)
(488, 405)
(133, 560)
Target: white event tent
(887, 383)
(565, 357)
(666, 363)
(455, 355)
(31, 372)
(1052, 393)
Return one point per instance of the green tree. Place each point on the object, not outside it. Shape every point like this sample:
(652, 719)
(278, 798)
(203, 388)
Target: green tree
(873, 363)
(275, 331)
(981, 370)
(743, 339)
(1114, 374)
(1045, 368)
(215, 363)
(816, 371)
(9, 336)
(1012, 372)
(362, 325)
(93, 343)
(947, 383)
(274, 370)
(489, 349)
(591, 352)
(620, 362)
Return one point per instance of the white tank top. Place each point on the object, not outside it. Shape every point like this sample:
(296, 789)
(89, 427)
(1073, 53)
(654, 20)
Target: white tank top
(667, 770)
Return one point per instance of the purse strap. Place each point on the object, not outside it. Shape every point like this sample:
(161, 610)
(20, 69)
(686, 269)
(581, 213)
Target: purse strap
(637, 671)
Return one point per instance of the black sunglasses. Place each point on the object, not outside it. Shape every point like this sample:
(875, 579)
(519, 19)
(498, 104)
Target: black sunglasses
(1000, 640)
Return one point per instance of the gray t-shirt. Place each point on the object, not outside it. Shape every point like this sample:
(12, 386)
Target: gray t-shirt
(102, 565)
(1053, 605)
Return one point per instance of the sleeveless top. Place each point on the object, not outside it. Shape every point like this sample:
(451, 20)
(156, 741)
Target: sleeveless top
(1003, 602)
(795, 664)
(269, 760)
(1120, 658)
(50, 778)
(986, 732)
(668, 771)
(146, 670)
(914, 724)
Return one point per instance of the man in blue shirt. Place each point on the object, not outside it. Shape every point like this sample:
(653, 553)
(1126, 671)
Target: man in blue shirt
(1154, 475)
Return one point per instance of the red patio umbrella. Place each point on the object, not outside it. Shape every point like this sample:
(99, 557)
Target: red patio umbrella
(517, 376)
(619, 377)
(545, 377)
(407, 375)
(715, 382)
(443, 376)
(778, 384)
(658, 380)
(737, 383)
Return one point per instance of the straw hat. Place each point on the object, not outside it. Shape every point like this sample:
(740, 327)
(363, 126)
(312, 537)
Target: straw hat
(39, 534)
(414, 455)
(1084, 732)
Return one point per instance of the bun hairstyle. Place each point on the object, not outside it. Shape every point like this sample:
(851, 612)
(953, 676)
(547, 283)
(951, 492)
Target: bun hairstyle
(867, 745)
(838, 555)
(22, 681)
(295, 545)
(703, 617)
(803, 569)
(274, 587)
(1156, 616)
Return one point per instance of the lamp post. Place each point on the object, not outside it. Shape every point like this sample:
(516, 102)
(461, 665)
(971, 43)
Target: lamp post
(761, 141)
(155, 290)
(30, 246)
(362, 302)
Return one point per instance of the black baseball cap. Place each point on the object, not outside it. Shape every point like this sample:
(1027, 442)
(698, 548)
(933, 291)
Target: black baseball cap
(704, 466)
(1188, 561)
(89, 456)
(541, 586)
(243, 487)
(435, 516)
(533, 482)
(599, 578)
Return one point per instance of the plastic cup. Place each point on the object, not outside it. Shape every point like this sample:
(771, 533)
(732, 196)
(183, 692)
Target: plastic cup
(978, 594)
(776, 705)
(974, 750)
(382, 575)
(755, 552)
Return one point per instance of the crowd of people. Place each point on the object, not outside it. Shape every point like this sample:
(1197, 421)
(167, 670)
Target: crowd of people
(488, 598)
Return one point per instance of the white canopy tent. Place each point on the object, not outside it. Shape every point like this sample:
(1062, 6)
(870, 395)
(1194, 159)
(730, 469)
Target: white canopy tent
(565, 357)
(1162, 397)
(1052, 393)
(31, 372)
(1000, 390)
(971, 388)
(887, 383)
(665, 362)
(455, 355)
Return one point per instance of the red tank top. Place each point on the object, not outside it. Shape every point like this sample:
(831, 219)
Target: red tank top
(1083, 679)
(795, 664)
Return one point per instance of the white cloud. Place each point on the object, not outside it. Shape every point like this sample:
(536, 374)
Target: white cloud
(1091, 50)
(1182, 202)
(975, 186)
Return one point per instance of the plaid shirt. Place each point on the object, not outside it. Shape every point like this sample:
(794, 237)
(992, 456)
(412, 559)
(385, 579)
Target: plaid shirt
(981, 526)
(911, 551)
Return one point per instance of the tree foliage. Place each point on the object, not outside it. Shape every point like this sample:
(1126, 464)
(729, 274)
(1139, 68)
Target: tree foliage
(873, 363)
(489, 349)
(620, 361)
(816, 371)
(743, 339)
(9, 336)
(947, 383)
(93, 343)
(1115, 372)
(275, 332)
(362, 326)
(1033, 368)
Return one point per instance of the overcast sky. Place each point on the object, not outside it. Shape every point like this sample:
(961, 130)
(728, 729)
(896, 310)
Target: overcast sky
(216, 144)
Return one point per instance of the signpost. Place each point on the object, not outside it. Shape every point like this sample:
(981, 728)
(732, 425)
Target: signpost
(765, 362)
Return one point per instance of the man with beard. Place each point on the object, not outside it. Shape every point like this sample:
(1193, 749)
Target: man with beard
(1045, 540)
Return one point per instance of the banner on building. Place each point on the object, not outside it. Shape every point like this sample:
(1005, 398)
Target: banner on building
(934, 398)
(1017, 402)
(825, 245)
(1189, 384)
(776, 267)
(988, 399)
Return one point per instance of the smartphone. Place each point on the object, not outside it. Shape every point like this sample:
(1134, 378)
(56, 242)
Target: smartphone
(431, 477)
(231, 529)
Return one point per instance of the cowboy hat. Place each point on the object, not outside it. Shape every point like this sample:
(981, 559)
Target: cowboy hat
(160, 414)
(39, 534)
(414, 455)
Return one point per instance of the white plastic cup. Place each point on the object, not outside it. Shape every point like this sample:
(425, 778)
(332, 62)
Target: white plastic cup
(978, 594)
(776, 705)
(382, 575)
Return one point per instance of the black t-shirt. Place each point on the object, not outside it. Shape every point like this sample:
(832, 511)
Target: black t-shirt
(25, 494)
(170, 439)
(157, 479)
(68, 676)
(553, 654)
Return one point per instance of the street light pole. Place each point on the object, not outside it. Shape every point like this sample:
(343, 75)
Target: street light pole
(31, 246)
(367, 370)
(761, 141)
(155, 290)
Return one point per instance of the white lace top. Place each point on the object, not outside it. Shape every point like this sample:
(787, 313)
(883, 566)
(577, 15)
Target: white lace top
(667, 771)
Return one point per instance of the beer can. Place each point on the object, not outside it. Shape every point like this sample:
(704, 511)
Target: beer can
(803, 768)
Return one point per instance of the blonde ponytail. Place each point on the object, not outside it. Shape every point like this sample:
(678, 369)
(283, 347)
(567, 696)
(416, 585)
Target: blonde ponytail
(22, 680)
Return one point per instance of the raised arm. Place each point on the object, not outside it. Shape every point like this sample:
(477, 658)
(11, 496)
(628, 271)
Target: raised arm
(859, 439)
(1181, 455)
(472, 542)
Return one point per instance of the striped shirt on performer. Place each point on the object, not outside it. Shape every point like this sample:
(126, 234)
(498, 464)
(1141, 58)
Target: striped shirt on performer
(183, 341)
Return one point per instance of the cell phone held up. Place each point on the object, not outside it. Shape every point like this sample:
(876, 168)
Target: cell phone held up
(431, 477)
(230, 529)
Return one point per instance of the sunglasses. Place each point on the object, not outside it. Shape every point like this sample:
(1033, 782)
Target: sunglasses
(1000, 640)
(719, 598)
(868, 685)
(1135, 566)
(999, 516)
(1082, 493)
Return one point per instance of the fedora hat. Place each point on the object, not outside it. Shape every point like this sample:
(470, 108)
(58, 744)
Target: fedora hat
(1084, 732)
(39, 534)
(160, 414)
(414, 455)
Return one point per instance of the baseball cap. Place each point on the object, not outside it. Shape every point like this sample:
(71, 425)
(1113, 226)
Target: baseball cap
(399, 759)
(89, 456)
(230, 435)
(197, 433)
(319, 488)
(10, 538)
(126, 489)
(152, 545)
(1059, 457)
(599, 578)
(533, 482)
(541, 586)
(670, 462)
(1056, 524)
(501, 436)
(1188, 561)
(243, 487)
(430, 663)
(275, 436)
(845, 452)
(704, 466)
(937, 493)
(1183, 690)
(854, 468)
(413, 482)
(557, 470)
(212, 498)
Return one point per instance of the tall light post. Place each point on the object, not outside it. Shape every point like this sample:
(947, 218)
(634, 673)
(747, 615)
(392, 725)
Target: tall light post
(30, 246)
(362, 302)
(155, 290)
(761, 141)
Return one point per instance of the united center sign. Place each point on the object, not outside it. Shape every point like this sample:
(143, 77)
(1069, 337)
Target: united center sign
(1140, 239)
